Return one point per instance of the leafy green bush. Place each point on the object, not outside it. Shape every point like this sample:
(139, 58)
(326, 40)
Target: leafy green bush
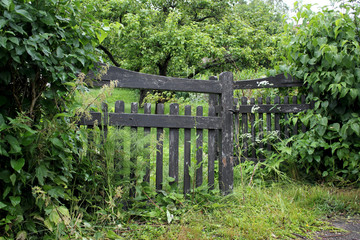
(43, 46)
(323, 50)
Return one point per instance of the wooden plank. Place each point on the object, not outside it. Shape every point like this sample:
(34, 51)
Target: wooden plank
(295, 126)
(286, 117)
(159, 150)
(214, 101)
(278, 108)
(211, 152)
(93, 119)
(105, 111)
(187, 153)
(147, 130)
(164, 121)
(277, 81)
(120, 108)
(277, 117)
(252, 129)
(268, 124)
(174, 147)
(244, 125)
(237, 131)
(133, 157)
(130, 79)
(227, 148)
(199, 150)
(303, 100)
(261, 127)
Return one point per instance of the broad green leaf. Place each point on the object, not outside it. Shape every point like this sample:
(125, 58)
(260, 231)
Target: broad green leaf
(6, 4)
(13, 179)
(24, 13)
(356, 128)
(335, 127)
(14, 40)
(2, 23)
(41, 173)
(18, 164)
(57, 142)
(15, 200)
(22, 235)
(2, 205)
(59, 52)
(54, 217)
(15, 146)
(3, 41)
(48, 224)
(6, 192)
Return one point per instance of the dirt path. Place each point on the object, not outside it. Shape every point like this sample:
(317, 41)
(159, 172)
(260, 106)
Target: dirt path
(350, 225)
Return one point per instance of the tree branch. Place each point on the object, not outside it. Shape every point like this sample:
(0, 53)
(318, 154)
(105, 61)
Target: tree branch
(105, 50)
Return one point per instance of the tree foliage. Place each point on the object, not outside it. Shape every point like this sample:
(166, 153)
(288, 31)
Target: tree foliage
(323, 50)
(184, 38)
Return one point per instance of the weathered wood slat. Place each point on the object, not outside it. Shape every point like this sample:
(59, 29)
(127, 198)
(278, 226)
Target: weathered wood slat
(252, 129)
(295, 127)
(130, 79)
(261, 127)
(211, 152)
(286, 117)
(159, 150)
(164, 121)
(268, 124)
(244, 124)
(133, 160)
(277, 117)
(174, 147)
(226, 172)
(199, 150)
(303, 100)
(105, 111)
(187, 152)
(147, 130)
(237, 131)
(274, 108)
(120, 108)
(277, 81)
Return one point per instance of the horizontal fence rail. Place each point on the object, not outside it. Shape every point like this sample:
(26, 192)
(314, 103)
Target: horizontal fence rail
(130, 79)
(256, 122)
(278, 81)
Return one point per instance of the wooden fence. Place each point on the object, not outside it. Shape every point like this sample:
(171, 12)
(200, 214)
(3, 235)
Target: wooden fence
(219, 121)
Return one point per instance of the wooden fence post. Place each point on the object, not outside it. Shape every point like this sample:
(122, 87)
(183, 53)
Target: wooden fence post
(226, 175)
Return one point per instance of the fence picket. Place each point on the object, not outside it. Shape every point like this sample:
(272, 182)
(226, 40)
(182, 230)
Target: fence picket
(252, 125)
(295, 126)
(133, 157)
(147, 130)
(174, 147)
(187, 152)
(159, 150)
(261, 130)
(268, 124)
(245, 130)
(199, 150)
(120, 108)
(211, 152)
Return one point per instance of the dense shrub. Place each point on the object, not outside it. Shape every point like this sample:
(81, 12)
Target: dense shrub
(43, 46)
(323, 50)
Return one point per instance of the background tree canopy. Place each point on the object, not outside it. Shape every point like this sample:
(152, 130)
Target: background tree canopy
(184, 38)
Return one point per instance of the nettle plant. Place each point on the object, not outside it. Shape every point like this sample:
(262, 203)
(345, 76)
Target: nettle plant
(323, 50)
